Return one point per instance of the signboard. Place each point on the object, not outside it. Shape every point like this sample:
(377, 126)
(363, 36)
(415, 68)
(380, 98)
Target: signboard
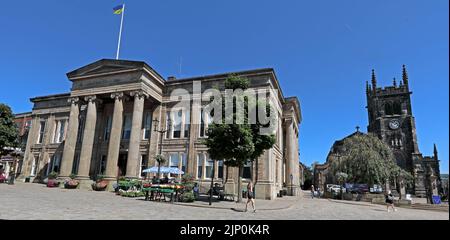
(436, 199)
(7, 158)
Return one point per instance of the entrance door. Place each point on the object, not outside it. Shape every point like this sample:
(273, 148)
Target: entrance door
(122, 164)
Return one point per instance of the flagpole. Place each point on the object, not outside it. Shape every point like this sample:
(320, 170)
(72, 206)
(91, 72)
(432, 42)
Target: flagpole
(120, 32)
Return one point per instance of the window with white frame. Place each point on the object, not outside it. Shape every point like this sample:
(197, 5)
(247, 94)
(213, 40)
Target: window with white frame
(220, 169)
(54, 163)
(59, 131)
(144, 164)
(183, 162)
(177, 121)
(147, 125)
(209, 168)
(33, 167)
(41, 132)
(126, 132)
(174, 160)
(168, 124)
(247, 170)
(187, 122)
(200, 159)
(107, 129)
(206, 119)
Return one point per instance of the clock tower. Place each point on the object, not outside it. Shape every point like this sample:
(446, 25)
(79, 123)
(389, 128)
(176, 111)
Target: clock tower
(391, 119)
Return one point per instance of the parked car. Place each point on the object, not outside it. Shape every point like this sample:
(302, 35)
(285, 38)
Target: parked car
(333, 188)
(357, 188)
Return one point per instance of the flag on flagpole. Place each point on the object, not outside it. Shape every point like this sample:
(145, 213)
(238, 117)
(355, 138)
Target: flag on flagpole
(118, 9)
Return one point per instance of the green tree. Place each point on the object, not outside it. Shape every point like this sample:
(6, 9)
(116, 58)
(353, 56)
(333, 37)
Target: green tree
(8, 129)
(238, 143)
(367, 159)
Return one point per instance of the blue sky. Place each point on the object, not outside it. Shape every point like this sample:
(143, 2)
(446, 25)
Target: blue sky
(322, 52)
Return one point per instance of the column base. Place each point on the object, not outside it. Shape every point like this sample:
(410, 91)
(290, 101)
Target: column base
(293, 190)
(265, 190)
(85, 183)
(111, 181)
(230, 187)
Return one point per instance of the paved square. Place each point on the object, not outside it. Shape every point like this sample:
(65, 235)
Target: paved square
(36, 201)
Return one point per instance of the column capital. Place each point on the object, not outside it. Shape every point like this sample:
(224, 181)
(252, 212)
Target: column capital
(73, 100)
(90, 98)
(117, 95)
(138, 94)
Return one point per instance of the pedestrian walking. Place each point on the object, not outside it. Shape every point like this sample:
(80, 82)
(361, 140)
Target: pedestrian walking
(312, 191)
(390, 201)
(250, 196)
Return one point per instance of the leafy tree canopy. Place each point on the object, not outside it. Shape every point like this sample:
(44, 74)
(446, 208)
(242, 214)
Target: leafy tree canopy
(8, 129)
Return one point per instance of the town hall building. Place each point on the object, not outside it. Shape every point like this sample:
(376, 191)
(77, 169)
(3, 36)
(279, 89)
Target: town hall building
(120, 114)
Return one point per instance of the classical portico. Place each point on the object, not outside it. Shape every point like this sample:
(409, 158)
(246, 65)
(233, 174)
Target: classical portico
(115, 83)
(105, 127)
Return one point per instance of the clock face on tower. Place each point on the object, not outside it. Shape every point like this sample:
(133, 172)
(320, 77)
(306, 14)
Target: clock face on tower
(394, 124)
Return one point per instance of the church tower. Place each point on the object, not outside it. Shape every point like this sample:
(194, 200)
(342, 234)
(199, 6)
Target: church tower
(391, 119)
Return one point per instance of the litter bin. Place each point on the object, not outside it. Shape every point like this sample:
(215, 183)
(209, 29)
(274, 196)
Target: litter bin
(280, 194)
(27, 179)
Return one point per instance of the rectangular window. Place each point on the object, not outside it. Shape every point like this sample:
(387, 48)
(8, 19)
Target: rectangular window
(168, 125)
(126, 127)
(102, 165)
(177, 123)
(209, 167)
(61, 132)
(33, 167)
(183, 162)
(220, 169)
(144, 164)
(187, 123)
(147, 125)
(76, 160)
(199, 165)
(202, 124)
(107, 130)
(80, 130)
(41, 132)
(247, 170)
(174, 161)
(55, 162)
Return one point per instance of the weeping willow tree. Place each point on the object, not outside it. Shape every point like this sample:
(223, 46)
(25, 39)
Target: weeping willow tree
(367, 159)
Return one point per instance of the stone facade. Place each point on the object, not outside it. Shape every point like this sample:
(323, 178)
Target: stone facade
(391, 119)
(106, 124)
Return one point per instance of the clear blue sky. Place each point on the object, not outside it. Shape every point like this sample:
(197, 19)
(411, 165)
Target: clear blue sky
(322, 52)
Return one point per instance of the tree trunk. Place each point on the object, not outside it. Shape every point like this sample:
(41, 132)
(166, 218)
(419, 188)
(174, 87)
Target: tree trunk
(241, 171)
(256, 175)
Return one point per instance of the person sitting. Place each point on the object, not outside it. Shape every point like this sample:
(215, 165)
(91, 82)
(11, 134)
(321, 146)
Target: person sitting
(154, 180)
(196, 191)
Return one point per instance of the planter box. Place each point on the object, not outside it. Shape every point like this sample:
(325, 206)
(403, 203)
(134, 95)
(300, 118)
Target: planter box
(72, 184)
(99, 186)
(52, 183)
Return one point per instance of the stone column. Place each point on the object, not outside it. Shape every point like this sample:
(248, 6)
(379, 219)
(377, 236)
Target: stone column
(71, 138)
(88, 139)
(135, 136)
(114, 139)
(291, 161)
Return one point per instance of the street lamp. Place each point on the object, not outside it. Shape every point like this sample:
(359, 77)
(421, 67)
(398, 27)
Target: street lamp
(292, 184)
(161, 130)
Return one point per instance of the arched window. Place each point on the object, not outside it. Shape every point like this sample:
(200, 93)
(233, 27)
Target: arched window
(397, 108)
(388, 108)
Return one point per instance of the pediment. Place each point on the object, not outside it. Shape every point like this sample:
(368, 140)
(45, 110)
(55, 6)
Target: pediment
(104, 66)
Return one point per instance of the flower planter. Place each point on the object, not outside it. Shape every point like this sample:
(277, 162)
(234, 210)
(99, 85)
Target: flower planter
(71, 184)
(99, 186)
(52, 183)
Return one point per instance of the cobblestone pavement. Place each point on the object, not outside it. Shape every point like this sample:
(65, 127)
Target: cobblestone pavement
(35, 201)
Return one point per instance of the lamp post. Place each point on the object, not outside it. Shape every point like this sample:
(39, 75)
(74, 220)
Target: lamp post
(161, 131)
(292, 188)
